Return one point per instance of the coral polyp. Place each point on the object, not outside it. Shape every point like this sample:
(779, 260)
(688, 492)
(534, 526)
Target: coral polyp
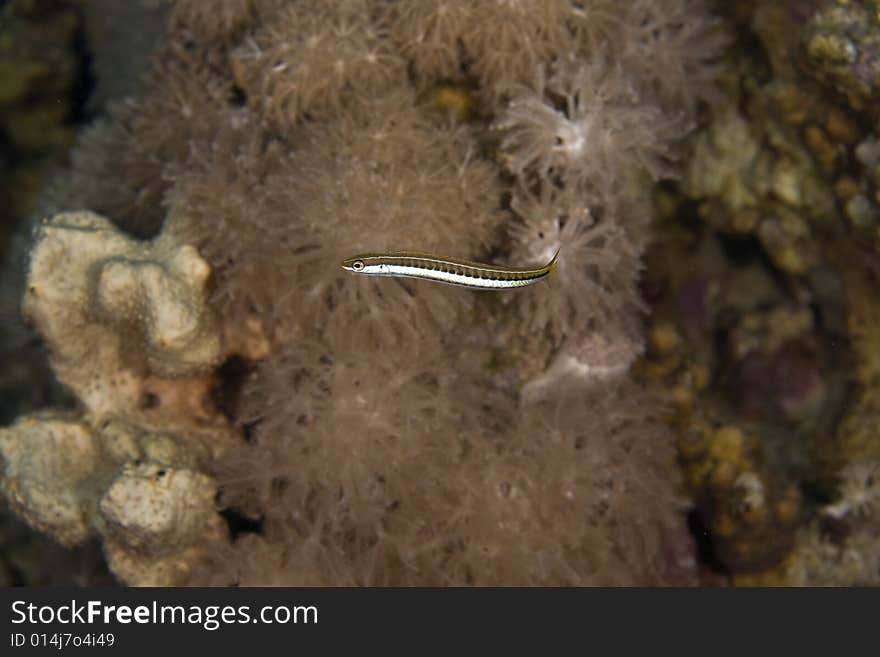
(310, 58)
(584, 121)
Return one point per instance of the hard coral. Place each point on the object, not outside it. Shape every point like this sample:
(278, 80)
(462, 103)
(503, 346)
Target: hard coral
(136, 307)
(74, 480)
(842, 45)
(46, 474)
(131, 334)
(157, 521)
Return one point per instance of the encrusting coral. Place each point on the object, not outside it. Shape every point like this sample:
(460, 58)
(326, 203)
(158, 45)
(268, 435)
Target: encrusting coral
(130, 333)
(389, 433)
(87, 277)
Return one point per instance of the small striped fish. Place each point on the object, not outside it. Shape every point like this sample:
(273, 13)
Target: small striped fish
(447, 270)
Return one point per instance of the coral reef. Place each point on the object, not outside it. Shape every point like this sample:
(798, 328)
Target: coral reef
(247, 413)
(764, 287)
(861, 194)
(378, 432)
(747, 383)
(842, 44)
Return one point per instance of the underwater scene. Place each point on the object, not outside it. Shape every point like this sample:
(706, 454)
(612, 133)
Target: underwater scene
(440, 292)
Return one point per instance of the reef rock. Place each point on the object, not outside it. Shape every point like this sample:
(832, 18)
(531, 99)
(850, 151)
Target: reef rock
(130, 332)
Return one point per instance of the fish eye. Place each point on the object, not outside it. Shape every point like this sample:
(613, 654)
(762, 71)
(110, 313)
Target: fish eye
(357, 265)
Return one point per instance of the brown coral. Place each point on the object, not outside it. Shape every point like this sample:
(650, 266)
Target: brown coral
(309, 59)
(595, 289)
(588, 119)
(384, 442)
(411, 490)
(499, 43)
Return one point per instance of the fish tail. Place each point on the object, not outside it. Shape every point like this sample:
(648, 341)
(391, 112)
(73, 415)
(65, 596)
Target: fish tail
(554, 264)
(552, 269)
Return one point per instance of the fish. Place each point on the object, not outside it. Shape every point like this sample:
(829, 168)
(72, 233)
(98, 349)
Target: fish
(451, 271)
